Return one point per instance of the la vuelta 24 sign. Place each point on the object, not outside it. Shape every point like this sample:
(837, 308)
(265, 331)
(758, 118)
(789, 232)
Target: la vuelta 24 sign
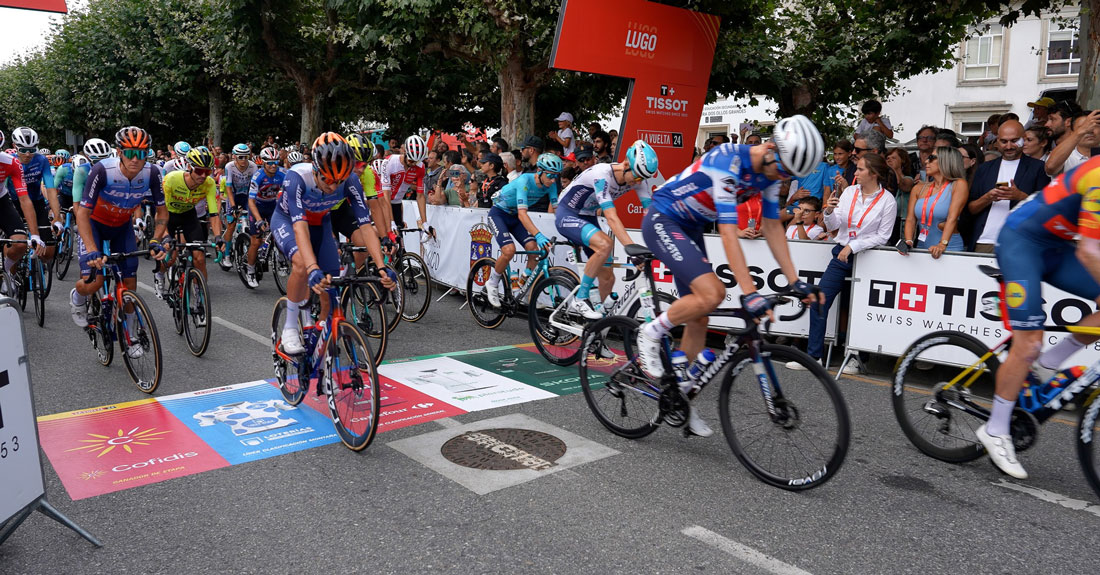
(670, 51)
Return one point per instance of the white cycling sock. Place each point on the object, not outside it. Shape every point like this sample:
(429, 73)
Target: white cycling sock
(304, 314)
(494, 279)
(291, 321)
(659, 327)
(131, 320)
(78, 299)
(251, 269)
(1001, 417)
(1053, 357)
(9, 263)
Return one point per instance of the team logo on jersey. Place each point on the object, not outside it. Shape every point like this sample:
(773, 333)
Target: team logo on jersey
(1015, 294)
(1091, 203)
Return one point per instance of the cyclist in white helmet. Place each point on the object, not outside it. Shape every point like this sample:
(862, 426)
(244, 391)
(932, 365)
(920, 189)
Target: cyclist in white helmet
(402, 172)
(706, 191)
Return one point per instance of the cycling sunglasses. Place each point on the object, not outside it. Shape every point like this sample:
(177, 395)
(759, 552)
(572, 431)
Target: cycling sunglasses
(200, 172)
(271, 162)
(27, 150)
(132, 153)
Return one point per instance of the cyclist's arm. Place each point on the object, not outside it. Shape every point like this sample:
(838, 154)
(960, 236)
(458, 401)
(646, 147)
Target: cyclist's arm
(49, 190)
(421, 200)
(521, 210)
(736, 258)
(212, 207)
(1088, 223)
(616, 225)
(160, 220)
(96, 181)
(29, 214)
(378, 214)
(79, 177)
(777, 243)
(252, 209)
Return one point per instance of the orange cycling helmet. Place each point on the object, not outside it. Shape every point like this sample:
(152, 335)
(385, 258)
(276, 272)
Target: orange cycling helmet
(132, 137)
(332, 157)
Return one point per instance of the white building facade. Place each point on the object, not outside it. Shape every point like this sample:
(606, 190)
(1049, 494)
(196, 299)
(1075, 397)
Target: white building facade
(998, 70)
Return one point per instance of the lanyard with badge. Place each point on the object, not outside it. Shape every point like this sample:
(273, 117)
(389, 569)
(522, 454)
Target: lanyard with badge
(928, 214)
(753, 218)
(852, 231)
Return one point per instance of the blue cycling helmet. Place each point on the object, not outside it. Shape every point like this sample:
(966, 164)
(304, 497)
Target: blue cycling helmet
(643, 159)
(549, 163)
(181, 148)
(242, 150)
(64, 154)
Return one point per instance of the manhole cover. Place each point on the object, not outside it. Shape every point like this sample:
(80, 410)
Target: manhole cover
(504, 449)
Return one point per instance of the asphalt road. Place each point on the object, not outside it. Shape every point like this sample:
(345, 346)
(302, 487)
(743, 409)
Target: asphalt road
(664, 504)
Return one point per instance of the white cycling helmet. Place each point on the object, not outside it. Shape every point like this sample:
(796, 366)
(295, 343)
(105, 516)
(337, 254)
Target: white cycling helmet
(799, 144)
(269, 154)
(415, 148)
(643, 159)
(24, 138)
(295, 157)
(181, 148)
(79, 160)
(378, 165)
(97, 149)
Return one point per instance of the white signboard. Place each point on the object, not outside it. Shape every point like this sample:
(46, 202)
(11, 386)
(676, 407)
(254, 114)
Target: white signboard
(20, 466)
(898, 299)
(460, 384)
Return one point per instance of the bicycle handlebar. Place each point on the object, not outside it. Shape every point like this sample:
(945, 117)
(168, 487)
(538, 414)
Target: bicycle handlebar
(750, 323)
(114, 259)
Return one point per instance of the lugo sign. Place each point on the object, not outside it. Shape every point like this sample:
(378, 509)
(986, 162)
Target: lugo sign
(669, 50)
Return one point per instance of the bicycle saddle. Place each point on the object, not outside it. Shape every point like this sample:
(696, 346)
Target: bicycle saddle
(638, 250)
(991, 271)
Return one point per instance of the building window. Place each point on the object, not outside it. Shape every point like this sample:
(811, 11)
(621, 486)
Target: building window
(1062, 57)
(971, 128)
(982, 53)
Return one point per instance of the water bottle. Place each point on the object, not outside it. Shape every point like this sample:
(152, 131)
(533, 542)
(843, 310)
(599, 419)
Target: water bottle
(679, 364)
(705, 358)
(611, 301)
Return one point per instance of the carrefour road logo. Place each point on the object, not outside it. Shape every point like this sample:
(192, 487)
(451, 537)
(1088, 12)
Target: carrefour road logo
(1015, 294)
(104, 444)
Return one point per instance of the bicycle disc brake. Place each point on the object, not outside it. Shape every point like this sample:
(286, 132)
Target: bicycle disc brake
(786, 414)
(1024, 429)
(673, 405)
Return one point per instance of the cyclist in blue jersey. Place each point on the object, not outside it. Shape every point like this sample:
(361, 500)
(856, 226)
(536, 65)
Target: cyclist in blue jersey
(38, 178)
(596, 189)
(706, 191)
(302, 228)
(262, 196)
(63, 178)
(509, 221)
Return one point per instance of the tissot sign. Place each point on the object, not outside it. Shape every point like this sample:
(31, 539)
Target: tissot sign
(38, 5)
(668, 51)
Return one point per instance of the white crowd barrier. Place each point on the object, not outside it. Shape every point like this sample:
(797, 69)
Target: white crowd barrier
(895, 299)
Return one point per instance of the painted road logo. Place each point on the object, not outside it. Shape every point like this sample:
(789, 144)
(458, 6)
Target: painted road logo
(504, 449)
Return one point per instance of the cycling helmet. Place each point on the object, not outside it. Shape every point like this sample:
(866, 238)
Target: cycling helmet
(133, 137)
(359, 146)
(643, 159)
(378, 165)
(63, 154)
(181, 148)
(79, 160)
(242, 150)
(295, 157)
(45, 151)
(799, 144)
(56, 161)
(549, 163)
(2, 139)
(150, 155)
(24, 138)
(332, 157)
(200, 158)
(97, 149)
(269, 155)
(415, 148)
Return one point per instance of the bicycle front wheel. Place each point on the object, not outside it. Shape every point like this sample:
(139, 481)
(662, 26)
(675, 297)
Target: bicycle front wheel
(196, 312)
(559, 345)
(621, 396)
(38, 286)
(941, 372)
(286, 373)
(354, 395)
(279, 266)
(364, 306)
(1087, 429)
(99, 330)
(788, 428)
(417, 283)
(484, 313)
(139, 342)
(64, 255)
(241, 244)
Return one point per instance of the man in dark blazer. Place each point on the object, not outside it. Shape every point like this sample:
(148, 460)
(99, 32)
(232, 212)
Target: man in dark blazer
(1001, 184)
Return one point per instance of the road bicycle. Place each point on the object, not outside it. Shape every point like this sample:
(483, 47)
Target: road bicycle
(368, 304)
(134, 330)
(188, 296)
(268, 259)
(341, 363)
(232, 217)
(30, 277)
(514, 299)
(943, 386)
(557, 330)
(415, 279)
(66, 243)
(788, 428)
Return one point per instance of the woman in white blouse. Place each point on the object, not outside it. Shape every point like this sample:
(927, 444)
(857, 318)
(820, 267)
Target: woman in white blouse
(863, 217)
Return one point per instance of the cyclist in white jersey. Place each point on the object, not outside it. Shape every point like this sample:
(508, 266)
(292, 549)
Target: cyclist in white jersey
(400, 173)
(237, 180)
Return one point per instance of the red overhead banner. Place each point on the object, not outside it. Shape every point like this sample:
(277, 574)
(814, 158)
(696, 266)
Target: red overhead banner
(666, 52)
(38, 5)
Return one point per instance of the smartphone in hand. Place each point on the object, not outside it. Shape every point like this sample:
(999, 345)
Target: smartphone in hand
(903, 248)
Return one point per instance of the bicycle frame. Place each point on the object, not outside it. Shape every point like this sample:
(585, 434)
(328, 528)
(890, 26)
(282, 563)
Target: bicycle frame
(542, 267)
(631, 294)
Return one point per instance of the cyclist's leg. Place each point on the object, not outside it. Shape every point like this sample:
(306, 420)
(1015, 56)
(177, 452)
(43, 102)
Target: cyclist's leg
(12, 225)
(254, 234)
(86, 289)
(42, 214)
(1069, 274)
(328, 255)
(193, 232)
(297, 291)
(500, 224)
(584, 231)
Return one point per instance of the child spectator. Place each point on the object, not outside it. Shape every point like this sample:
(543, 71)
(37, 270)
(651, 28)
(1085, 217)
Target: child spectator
(804, 225)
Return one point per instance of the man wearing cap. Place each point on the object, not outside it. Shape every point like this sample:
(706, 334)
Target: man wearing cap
(530, 151)
(492, 166)
(585, 160)
(1040, 109)
(564, 135)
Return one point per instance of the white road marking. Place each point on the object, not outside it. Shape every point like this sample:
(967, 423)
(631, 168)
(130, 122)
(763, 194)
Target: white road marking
(243, 331)
(742, 552)
(146, 287)
(1051, 497)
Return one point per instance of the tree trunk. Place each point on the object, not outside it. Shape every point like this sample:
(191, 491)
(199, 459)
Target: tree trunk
(1088, 82)
(312, 101)
(517, 101)
(214, 132)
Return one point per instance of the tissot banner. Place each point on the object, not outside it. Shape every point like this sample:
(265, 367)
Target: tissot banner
(667, 50)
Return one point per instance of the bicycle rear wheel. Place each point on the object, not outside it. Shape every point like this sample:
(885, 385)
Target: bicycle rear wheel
(279, 266)
(417, 283)
(621, 396)
(1088, 426)
(929, 412)
(64, 255)
(100, 331)
(196, 312)
(559, 346)
(139, 343)
(354, 395)
(240, 257)
(286, 373)
(803, 444)
(484, 313)
(18, 280)
(364, 306)
(393, 300)
(46, 273)
(38, 286)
